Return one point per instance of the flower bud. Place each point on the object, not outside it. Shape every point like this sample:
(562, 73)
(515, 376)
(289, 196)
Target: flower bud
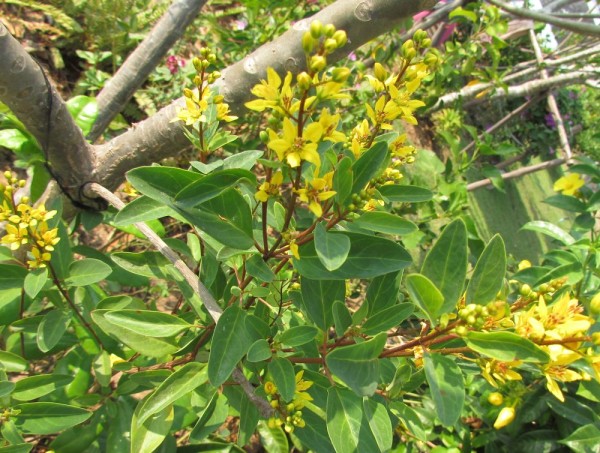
(215, 74)
(188, 93)
(219, 99)
(340, 75)
(426, 43)
(505, 417)
(380, 72)
(406, 47)
(198, 81)
(329, 30)
(495, 398)
(330, 45)
(197, 64)
(525, 290)
(318, 63)
(316, 29)
(25, 200)
(340, 37)
(304, 81)
(264, 136)
(212, 58)
(8, 175)
(308, 42)
(204, 51)
(419, 35)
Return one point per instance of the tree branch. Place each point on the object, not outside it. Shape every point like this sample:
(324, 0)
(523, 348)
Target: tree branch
(138, 66)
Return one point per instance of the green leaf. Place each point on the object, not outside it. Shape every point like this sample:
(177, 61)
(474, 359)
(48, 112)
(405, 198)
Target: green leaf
(84, 110)
(489, 272)
(153, 347)
(177, 385)
(6, 388)
(446, 263)
(17, 448)
(566, 202)
(318, 296)
(229, 344)
(102, 368)
(12, 276)
(368, 165)
(227, 218)
(48, 418)
(369, 257)
(35, 281)
(142, 209)
(332, 249)
(387, 319)
(425, 295)
(259, 351)
(211, 186)
(213, 416)
(244, 160)
(384, 222)
(147, 264)
(405, 194)
(273, 439)
(249, 417)
(282, 373)
(461, 12)
(161, 183)
(78, 438)
(14, 140)
(257, 267)
(297, 336)
(551, 230)
(505, 346)
(383, 292)
(342, 319)
(145, 322)
(447, 387)
(379, 422)
(147, 436)
(342, 180)
(12, 363)
(358, 365)
(348, 431)
(33, 387)
(584, 439)
(87, 271)
(52, 328)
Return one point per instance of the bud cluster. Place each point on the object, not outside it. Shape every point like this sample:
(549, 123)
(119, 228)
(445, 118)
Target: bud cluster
(288, 416)
(321, 40)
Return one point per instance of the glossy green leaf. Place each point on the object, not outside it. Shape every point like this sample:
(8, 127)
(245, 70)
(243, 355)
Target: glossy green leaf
(244, 160)
(425, 295)
(146, 322)
(150, 346)
(227, 218)
(379, 422)
(249, 417)
(383, 292)
(257, 267)
(161, 183)
(229, 344)
(259, 351)
(213, 416)
(297, 335)
(84, 110)
(447, 387)
(358, 365)
(410, 419)
(12, 363)
(78, 438)
(550, 230)
(273, 439)
(177, 385)
(48, 418)
(211, 186)
(461, 12)
(342, 180)
(147, 436)
(405, 194)
(52, 328)
(35, 281)
(342, 319)
(348, 431)
(102, 368)
(147, 264)
(17, 448)
(446, 263)
(505, 346)
(284, 378)
(12, 276)
(6, 388)
(368, 165)
(87, 271)
(566, 202)
(369, 257)
(34, 387)
(142, 209)
(384, 222)
(387, 319)
(489, 272)
(332, 249)
(584, 439)
(573, 272)
(318, 296)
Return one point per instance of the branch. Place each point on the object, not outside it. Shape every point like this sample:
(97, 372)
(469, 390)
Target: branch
(157, 138)
(26, 90)
(582, 28)
(138, 66)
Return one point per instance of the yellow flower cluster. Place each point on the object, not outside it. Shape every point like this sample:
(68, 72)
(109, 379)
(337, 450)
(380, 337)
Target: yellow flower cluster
(26, 226)
(289, 415)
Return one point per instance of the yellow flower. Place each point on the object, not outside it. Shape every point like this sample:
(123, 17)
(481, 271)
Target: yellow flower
(195, 106)
(317, 191)
(272, 96)
(562, 374)
(494, 370)
(405, 104)
(293, 148)
(360, 136)
(569, 185)
(294, 249)
(401, 151)
(329, 124)
(384, 112)
(270, 388)
(505, 417)
(223, 113)
(269, 188)
(301, 396)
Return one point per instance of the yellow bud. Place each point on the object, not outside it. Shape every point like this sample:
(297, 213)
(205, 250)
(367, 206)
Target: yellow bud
(495, 398)
(380, 72)
(426, 43)
(197, 64)
(8, 175)
(340, 75)
(216, 74)
(524, 265)
(596, 338)
(431, 59)
(505, 417)
(304, 80)
(330, 45)
(204, 51)
(25, 200)
(340, 37)
(420, 35)
(329, 30)
(218, 99)
(212, 58)
(21, 183)
(308, 42)
(188, 93)
(198, 81)
(318, 63)
(595, 304)
(406, 48)
(316, 29)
